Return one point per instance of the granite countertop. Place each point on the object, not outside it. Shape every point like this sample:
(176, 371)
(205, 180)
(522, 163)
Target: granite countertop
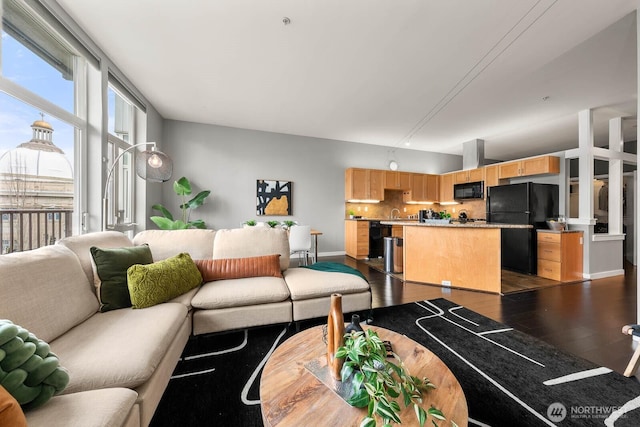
(395, 220)
(459, 225)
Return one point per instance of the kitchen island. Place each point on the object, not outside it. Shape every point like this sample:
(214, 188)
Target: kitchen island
(459, 255)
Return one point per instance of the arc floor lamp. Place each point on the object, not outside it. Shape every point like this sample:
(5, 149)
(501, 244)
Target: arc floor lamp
(151, 165)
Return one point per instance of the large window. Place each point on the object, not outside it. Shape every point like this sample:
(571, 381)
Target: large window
(41, 125)
(121, 186)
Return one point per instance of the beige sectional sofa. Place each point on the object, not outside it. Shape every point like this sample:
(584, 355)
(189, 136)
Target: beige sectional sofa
(120, 361)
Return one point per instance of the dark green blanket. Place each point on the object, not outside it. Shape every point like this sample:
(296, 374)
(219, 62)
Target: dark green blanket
(335, 267)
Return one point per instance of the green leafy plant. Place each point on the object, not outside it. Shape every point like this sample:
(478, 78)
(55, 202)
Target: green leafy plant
(445, 215)
(352, 212)
(377, 381)
(288, 224)
(182, 188)
(273, 224)
(250, 223)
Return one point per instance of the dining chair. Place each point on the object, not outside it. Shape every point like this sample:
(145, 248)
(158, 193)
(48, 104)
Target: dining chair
(300, 242)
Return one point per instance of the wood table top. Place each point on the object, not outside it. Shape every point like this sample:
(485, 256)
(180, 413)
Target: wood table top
(291, 395)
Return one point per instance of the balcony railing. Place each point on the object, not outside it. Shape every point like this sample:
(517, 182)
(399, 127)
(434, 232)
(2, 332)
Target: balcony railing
(26, 229)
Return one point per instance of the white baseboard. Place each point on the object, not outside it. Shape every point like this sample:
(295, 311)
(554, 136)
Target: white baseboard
(603, 274)
(338, 253)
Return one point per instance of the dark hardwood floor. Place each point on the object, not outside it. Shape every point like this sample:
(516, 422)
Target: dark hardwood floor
(584, 319)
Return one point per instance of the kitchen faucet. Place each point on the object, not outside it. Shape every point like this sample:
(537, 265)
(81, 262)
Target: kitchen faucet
(391, 214)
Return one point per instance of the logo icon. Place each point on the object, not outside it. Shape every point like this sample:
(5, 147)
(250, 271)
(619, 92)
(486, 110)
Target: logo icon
(556, 412)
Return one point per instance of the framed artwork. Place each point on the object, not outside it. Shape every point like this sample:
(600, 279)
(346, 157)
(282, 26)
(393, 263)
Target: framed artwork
(273, 197)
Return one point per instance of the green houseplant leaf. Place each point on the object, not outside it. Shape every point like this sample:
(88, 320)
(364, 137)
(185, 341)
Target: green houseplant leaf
(182, 188)
(378, 381)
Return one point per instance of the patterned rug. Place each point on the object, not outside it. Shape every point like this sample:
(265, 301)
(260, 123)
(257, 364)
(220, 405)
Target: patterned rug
(509, 378)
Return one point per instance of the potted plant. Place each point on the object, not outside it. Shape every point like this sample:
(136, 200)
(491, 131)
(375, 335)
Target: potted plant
(351, 213)
(182, 188)
(250, 223)
(273, 224)
(377, 381)
(288, 224)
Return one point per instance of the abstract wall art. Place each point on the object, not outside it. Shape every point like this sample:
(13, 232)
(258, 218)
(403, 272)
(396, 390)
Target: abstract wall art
(273, 197)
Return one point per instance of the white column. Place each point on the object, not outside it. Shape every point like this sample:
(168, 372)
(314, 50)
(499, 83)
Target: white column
(585, 148)
(637, 213)
(615, 176)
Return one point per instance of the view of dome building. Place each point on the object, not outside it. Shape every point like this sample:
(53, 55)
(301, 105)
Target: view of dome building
(36, 192)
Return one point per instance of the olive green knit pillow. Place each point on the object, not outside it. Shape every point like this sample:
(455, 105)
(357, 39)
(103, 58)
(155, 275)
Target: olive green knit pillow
(161, 281)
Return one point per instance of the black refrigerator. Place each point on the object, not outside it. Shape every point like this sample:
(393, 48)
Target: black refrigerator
(524, 203)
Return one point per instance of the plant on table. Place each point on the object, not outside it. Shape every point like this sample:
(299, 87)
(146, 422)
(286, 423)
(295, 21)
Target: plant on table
(377, 381)
(250, 223)
(288, 224)
(273, 224)
(182, 188)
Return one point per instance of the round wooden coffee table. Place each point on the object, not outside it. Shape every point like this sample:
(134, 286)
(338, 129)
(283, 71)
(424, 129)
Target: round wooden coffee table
(292, 395)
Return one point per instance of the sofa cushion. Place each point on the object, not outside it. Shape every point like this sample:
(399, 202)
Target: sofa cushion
(10, 411)
(161, 281)
(240, 292)
(81, 245)
(111, 268)
(305, 283)
(167, 243)
(95, 408)
(118, 348)
(237, 268)
(45, 291)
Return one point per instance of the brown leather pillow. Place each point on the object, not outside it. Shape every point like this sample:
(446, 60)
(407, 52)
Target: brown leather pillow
(10, 411)
(237, 268)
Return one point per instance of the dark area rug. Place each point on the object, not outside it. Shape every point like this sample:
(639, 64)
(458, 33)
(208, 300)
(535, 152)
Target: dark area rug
(509, 378)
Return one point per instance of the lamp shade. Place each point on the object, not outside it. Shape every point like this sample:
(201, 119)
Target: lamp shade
(154, 165)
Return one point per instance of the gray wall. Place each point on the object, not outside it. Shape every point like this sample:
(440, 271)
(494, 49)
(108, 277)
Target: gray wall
(228, 161)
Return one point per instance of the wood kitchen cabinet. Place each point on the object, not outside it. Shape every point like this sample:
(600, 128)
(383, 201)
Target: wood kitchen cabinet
(356, 236)
(560, 255)
(424, 188)
(527, 167)
(364, 184)
(491, 177)
(446, 187)
(395, 180)
(469, 175)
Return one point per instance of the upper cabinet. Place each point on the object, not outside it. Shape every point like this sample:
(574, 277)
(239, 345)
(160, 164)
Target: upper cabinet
(364, 184)
(446, 187)
(395, 180)
(469, 175)
(491, 176)
(424, 188)
(526, 167)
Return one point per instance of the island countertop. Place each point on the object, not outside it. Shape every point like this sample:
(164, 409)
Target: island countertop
(456, 224)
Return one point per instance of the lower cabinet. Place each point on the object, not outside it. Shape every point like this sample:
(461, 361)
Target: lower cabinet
(356, 235)
(560, 255)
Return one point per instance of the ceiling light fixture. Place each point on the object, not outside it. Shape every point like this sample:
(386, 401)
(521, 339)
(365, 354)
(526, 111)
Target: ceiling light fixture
(286, 21)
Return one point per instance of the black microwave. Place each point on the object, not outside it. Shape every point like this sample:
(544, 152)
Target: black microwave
(469, 190)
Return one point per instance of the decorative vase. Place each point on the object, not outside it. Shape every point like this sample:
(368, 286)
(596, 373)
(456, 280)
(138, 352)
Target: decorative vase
(335, 335)
(354, 326)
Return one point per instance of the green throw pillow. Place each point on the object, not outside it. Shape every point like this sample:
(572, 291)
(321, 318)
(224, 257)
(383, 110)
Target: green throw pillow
(111, 267)
(29, 371)
(163, 280)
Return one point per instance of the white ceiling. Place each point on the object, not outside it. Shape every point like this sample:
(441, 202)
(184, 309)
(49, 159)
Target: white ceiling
(419, 74)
